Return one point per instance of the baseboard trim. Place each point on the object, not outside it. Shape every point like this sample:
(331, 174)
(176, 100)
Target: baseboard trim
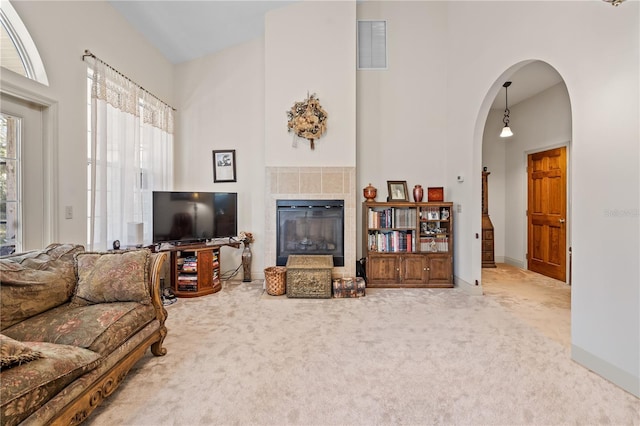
(499, 259)
(615, 375)
(474, 290)
(514, 262)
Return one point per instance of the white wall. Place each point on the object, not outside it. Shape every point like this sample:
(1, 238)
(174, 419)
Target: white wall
(238, 99)
(310, 47)
(488, 41)
(220, 99)
(401, 114)
(539, 123)
(61, 32)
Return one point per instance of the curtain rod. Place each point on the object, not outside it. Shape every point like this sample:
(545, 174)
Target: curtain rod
(87, 52)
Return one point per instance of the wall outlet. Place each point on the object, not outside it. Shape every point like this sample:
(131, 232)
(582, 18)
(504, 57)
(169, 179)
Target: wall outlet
(68, 212)
(459, 208)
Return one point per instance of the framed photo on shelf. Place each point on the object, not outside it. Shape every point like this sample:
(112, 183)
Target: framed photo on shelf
(398, 190)
(224, 165)
(433, 215)
(423, 227)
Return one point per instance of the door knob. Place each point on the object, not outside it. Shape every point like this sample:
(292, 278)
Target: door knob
(561, 220)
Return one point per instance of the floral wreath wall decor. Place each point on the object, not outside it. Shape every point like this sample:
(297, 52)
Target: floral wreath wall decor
(307, 119)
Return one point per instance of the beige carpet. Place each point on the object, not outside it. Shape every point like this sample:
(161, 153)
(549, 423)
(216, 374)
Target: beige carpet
(542, 302)
(396, 356)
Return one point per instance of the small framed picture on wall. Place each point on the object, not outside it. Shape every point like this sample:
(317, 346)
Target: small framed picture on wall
(224, 165)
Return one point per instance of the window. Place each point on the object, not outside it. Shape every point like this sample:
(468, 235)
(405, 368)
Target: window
(130, 154)
(18, 51)
(372, 45)
(9, 184)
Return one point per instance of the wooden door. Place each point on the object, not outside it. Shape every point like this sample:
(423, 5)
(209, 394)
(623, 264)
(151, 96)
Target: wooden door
(547, 208)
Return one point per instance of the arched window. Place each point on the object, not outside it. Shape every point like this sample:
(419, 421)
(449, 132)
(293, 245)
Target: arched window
(19, 52)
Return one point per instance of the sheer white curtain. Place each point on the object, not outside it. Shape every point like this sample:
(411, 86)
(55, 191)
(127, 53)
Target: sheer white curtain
(130, 155)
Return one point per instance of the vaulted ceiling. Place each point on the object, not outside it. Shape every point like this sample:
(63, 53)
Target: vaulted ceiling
(186, 30)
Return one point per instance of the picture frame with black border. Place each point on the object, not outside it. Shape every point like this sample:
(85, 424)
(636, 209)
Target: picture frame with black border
(224, 165)
(397, 190)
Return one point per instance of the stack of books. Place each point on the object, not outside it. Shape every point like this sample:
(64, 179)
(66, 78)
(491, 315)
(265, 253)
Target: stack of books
(190, 264)
(187, 282)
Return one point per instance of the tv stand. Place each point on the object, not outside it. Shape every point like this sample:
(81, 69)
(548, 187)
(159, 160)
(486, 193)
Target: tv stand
(195, 268)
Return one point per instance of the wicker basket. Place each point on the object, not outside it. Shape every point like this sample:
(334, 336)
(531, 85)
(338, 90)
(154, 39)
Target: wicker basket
(275, 278)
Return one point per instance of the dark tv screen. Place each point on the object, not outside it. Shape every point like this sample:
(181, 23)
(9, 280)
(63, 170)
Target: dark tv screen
(194, 216)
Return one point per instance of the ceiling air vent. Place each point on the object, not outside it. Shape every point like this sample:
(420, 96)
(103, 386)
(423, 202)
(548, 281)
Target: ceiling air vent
(372, 45)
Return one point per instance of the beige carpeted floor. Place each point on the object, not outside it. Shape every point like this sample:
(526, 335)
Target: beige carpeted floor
(396, 356)
(542, 302)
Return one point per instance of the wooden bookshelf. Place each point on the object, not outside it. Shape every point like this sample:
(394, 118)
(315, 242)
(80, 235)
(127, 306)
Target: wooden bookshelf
(408, 244)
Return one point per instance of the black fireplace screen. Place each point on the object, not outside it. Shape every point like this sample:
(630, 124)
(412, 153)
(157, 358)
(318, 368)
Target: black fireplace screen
(310, 227)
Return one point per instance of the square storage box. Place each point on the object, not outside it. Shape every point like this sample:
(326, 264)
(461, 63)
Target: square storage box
(435, 193)
(309, 276)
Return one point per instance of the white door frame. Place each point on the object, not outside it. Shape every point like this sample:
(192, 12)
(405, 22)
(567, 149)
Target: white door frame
(49, 155)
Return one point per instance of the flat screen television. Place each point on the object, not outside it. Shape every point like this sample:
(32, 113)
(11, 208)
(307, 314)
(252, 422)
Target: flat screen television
(181, 217)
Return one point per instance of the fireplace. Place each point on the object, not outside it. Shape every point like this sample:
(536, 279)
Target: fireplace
(310, 227)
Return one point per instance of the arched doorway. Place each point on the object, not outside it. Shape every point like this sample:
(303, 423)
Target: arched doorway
(540, 118)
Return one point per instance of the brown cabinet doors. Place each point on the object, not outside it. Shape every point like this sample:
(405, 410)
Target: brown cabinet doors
(440, 269)
(413, 269)
(382, 269)
(409, 270)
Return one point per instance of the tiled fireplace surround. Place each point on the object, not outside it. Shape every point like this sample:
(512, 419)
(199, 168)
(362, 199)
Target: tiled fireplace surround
(313, 183)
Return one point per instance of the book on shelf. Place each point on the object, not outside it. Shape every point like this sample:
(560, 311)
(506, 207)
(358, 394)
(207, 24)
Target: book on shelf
(187, 278)
(392, 217)
(391, 241)
(187, 287)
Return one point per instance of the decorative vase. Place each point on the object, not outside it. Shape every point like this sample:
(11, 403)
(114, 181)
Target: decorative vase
(370, 193)
(418, 193)
(246, 263)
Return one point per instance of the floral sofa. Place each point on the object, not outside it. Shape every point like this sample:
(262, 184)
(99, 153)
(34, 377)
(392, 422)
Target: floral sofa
(72, 324)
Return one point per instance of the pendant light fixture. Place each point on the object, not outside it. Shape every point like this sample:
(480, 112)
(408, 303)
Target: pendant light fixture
(506, 131)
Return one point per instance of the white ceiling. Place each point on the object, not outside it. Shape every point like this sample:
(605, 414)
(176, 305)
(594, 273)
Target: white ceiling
(186, 30)
(527, 82)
